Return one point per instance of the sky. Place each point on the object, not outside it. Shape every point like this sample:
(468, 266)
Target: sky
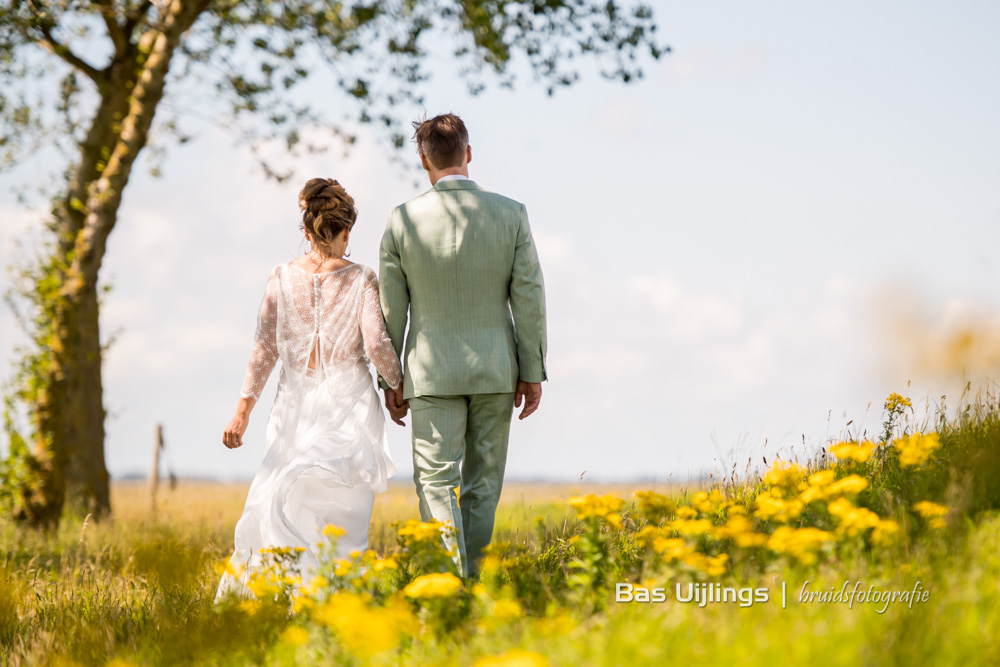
(739, 251)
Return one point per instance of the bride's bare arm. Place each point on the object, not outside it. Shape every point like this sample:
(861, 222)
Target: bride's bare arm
(233, 435)
(262, 361)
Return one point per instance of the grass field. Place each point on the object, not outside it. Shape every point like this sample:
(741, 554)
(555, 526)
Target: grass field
(911, 520)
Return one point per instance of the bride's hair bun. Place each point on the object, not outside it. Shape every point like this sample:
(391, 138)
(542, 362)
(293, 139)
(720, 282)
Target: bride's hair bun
(327, 210)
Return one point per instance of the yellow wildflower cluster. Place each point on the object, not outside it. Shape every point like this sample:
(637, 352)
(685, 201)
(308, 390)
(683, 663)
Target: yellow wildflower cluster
(859, 452)
(800, 543)
(739, 529)
(603, 507)
(896, 402)
(655, 506)
(771, 506)
(333, 531)
(785, 476)
(853, 521)
(414, 531)
(365, 629)
(708, 503)
(916, 449)
(436, 585)
(932, 512)
(295, 636)
(713, 566)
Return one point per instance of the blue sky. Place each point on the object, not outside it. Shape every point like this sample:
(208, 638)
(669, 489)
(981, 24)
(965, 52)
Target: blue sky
(731, 248)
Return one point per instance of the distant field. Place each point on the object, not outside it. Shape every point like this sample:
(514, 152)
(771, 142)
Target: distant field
(216, 506)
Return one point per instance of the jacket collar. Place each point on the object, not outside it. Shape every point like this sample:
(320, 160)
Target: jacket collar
(456, 185)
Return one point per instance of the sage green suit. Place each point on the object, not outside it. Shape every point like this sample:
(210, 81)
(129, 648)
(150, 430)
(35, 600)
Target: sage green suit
(459, 263)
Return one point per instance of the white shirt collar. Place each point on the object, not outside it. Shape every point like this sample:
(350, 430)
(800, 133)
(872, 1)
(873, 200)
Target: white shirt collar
(453, 177)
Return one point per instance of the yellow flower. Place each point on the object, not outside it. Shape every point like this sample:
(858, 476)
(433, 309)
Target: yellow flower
(671, 549)
(897, 402)
(933, 512)
(592, 505)
(852, 520)
(822, 478)
(930, 510)
(687, 512)
(851, 485)
(437, 585)
(740, 530)
(386, 564)
(886, 530)
(707, 503)
(853, 451)
(364, 629)
(654, 505)
(692, 526)
(801, 543)
(414, 531)
(507, 610)
(491, 565)
(515, 658)
(916, 449)
(785, 475)
(771, 507)
(334, 531)
(295, 636)
(249, 606)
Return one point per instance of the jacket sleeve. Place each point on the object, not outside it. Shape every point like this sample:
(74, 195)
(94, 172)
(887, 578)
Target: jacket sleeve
(264, 355)
(394, 295)
(527, 305)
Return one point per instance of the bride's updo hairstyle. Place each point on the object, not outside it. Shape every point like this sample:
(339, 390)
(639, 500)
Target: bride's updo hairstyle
(327, 210)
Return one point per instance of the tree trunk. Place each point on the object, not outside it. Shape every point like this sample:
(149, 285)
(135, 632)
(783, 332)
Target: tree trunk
(71, 415)
(69, 447)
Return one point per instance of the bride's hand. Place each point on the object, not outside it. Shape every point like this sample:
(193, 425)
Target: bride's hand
(232, 437)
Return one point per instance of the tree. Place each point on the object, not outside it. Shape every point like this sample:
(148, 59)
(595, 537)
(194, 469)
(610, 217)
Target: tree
(114, 59)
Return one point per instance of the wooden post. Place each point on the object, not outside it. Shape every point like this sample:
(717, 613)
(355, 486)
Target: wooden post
(154, 477)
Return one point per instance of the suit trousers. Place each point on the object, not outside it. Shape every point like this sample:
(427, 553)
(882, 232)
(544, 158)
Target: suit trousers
(460, 442)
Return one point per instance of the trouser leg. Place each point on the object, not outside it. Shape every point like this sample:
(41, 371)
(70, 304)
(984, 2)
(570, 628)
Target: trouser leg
(486, 436)
(438, 426)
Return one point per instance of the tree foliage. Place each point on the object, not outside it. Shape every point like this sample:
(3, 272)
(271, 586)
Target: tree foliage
(87, 79)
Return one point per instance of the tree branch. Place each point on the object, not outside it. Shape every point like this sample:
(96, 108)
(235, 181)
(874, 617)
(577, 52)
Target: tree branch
(57, 48)
(115, 31)
(136, 16)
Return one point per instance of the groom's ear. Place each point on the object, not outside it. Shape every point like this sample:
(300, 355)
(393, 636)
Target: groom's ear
(424, 162)
(468, 154)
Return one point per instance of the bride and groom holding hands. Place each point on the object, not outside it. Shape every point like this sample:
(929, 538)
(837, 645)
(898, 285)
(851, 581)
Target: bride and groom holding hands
(458, 265)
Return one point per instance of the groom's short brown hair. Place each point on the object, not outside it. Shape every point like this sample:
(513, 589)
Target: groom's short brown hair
(443, 139)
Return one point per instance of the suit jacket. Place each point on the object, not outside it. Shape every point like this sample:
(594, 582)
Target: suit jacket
(462, 261)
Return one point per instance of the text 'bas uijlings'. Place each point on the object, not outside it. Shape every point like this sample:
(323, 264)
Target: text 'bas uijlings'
(700, 594)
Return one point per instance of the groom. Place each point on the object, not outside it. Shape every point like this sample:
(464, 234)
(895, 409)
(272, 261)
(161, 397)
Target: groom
(462, 261)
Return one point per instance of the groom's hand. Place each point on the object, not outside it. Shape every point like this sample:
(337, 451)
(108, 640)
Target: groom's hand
(396, 406)
(531, 392)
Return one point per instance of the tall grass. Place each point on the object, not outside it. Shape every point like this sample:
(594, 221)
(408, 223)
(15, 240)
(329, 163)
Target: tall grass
(139, 589)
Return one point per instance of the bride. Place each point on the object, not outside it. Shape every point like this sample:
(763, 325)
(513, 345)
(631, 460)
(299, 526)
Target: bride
(327, 451)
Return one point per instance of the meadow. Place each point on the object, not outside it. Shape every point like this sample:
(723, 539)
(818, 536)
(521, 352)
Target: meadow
(871, 552)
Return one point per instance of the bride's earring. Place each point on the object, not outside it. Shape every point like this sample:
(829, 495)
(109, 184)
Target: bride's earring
(347, 251)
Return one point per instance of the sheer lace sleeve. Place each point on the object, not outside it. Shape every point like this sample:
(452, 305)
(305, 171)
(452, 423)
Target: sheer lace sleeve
(378, 346)
(265, 347)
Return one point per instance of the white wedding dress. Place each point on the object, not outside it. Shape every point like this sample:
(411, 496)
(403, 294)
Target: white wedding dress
(327, 451)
